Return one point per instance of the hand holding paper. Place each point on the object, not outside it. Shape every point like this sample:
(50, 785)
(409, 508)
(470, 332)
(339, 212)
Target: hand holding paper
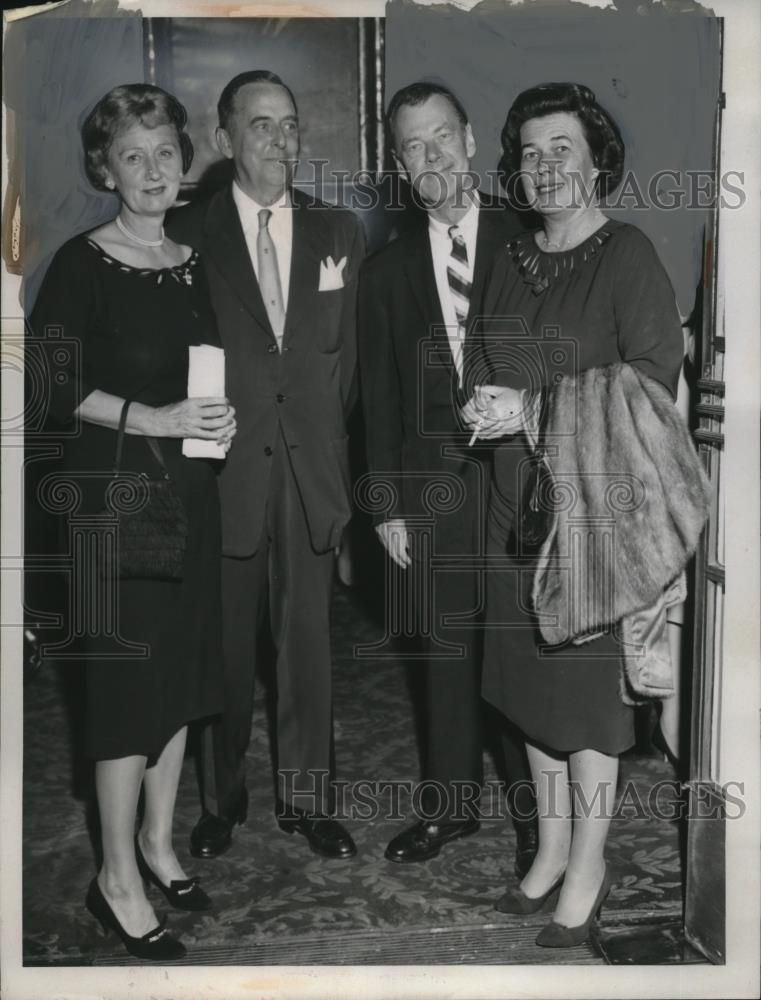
(206, 377)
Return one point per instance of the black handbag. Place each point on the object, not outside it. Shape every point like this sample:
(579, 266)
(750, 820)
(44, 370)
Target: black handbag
(536, 513)
(152, 526)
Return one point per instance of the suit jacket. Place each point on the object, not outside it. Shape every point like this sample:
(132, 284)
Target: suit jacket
(410, 388)
(306, 391)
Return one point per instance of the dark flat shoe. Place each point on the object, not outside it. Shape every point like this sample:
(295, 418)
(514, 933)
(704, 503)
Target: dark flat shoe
(559, 936)
(424, 840)
(182, 894)
(157, 945)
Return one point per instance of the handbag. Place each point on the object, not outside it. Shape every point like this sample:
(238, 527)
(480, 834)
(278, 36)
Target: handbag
(152, 526)
(536, 513)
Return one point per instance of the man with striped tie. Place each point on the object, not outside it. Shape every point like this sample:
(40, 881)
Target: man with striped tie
(416, 297)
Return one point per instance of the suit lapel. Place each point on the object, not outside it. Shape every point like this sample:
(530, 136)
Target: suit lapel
(422, 279)
(306, 248)
(225, 242)
(419, 271)
(492, 236)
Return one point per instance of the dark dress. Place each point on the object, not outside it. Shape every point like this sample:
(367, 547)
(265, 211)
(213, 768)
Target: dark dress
(131, 330)
(607, 300)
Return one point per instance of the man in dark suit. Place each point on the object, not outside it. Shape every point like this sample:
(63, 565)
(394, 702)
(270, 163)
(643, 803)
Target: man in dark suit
(282, 272)
(416, 295)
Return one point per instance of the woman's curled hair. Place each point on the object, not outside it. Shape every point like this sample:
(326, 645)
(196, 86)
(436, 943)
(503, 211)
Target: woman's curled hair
(123, 107)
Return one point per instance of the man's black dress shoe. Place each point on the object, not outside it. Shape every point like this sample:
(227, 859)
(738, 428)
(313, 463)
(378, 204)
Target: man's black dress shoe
(326, 836)
(212, 835)
(424, 840)
(527, 844)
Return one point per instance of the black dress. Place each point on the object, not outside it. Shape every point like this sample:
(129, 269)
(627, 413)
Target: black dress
(607, 300)
(126, 331)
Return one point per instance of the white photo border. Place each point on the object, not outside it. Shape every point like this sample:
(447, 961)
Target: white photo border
(739, 279)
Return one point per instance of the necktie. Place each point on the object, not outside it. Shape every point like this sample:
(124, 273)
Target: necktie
(269, 277)
(458, 276)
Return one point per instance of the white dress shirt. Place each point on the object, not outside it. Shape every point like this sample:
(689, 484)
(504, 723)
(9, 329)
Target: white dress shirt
(441, 251)
(280, 227)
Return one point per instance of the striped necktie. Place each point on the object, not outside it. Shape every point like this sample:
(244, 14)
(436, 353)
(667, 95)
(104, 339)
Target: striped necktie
(269, 277)
(458, 275)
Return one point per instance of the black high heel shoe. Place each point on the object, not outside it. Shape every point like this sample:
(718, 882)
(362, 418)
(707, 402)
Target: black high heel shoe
(157, 945)
(182, 894)
(516, 900)
(559, 936)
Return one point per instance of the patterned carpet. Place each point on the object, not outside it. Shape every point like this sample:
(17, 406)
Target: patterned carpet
(275, 902)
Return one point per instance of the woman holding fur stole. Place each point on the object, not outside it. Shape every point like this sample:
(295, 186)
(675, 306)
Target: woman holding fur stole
(582, 325)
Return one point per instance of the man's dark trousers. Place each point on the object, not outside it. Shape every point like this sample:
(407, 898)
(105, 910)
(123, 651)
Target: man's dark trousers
(288, 577)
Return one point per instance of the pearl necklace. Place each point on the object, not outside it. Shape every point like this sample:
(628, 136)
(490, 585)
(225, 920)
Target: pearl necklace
(549, 243)
(138, 239)
(564, 243)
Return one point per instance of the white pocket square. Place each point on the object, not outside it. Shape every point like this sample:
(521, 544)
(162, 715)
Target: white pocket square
(331, 274)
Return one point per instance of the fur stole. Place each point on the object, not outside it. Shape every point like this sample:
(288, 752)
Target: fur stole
(630, 499)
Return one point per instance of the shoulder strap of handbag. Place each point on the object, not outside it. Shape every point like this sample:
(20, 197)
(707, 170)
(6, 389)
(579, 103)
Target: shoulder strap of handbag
(152, 443)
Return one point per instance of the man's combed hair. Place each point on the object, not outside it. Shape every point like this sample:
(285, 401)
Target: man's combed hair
(419, 93)
(600, 130)
(226, 102)
(122, 108)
